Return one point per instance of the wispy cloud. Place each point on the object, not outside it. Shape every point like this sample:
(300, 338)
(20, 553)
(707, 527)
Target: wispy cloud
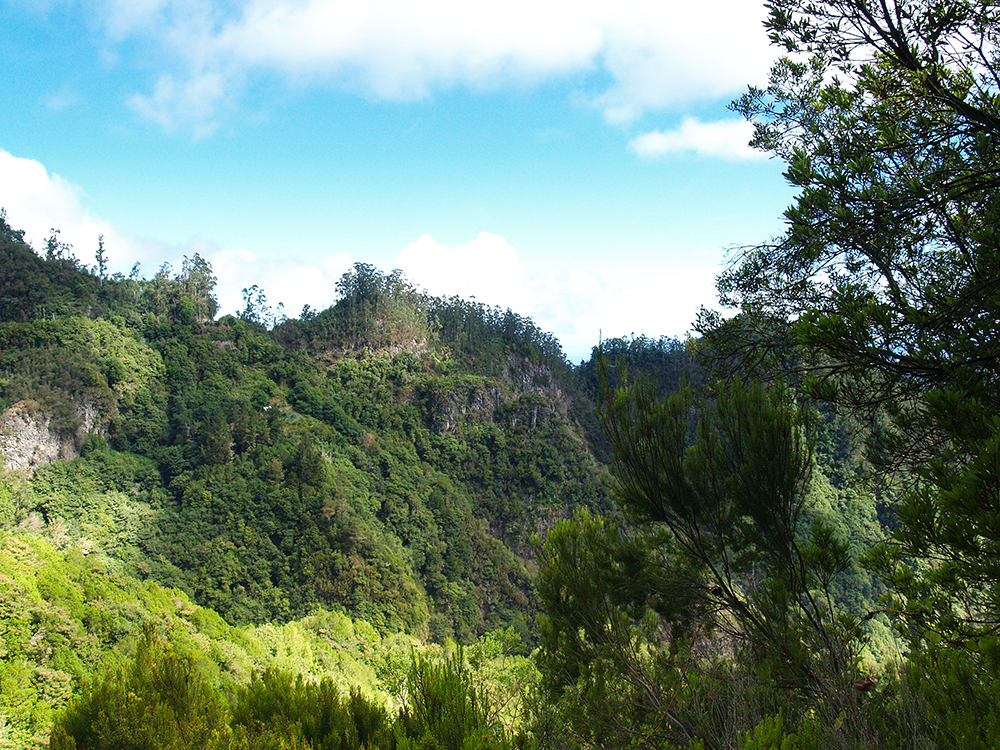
(722, 139)
(62, 99)
(192, 104)
(646, 55)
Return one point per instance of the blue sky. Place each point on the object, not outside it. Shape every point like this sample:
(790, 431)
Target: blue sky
(575, 161)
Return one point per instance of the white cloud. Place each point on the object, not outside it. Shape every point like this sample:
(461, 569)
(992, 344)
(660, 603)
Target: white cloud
(192, 104)
(647, 55)
(664, 302)
(486, 268)
(661, 54)
(723, 139)
(578, 305)
(292, 282)
(38, 202)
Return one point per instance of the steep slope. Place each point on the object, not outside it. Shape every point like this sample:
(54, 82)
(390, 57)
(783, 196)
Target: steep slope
(361, 459)
(68, 617)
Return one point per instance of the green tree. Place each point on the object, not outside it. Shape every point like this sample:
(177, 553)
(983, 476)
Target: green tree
(199, 282)
(888, 265)
(102, 260)
(255, 308)
(716, 557)
(605, 611)
(883, 292)
(722, 485)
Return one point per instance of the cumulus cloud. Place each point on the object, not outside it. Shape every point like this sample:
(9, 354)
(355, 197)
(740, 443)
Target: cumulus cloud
(723, 139)
(38, 201)
(646, 55)
(291, 282)
(661, 303)
(577, 304)
(661, 54)
(486, 268)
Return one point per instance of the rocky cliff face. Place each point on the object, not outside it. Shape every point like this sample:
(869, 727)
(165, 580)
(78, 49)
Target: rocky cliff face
(28, 439)
(523, 393)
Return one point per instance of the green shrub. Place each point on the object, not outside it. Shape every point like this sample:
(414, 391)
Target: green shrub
(771, 734)
(945, 697)
(315, 712)
(158, 702)
(446, 709)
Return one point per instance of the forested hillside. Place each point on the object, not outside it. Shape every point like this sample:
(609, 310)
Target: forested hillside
(259, 532)
(396, 459)
(389, 459)
(360, 458)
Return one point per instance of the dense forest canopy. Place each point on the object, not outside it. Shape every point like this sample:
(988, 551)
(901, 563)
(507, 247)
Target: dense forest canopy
(361, 466)
(259, 531)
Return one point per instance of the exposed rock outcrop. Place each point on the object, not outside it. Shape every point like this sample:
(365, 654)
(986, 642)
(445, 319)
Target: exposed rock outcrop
(523, 394)
(29, 440)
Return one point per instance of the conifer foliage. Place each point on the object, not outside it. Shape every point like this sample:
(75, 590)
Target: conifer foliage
(883, 293)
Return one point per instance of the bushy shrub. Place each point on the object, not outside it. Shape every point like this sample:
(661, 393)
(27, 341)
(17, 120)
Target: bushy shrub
(158, 702)
(446, 709)
(316, 713)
